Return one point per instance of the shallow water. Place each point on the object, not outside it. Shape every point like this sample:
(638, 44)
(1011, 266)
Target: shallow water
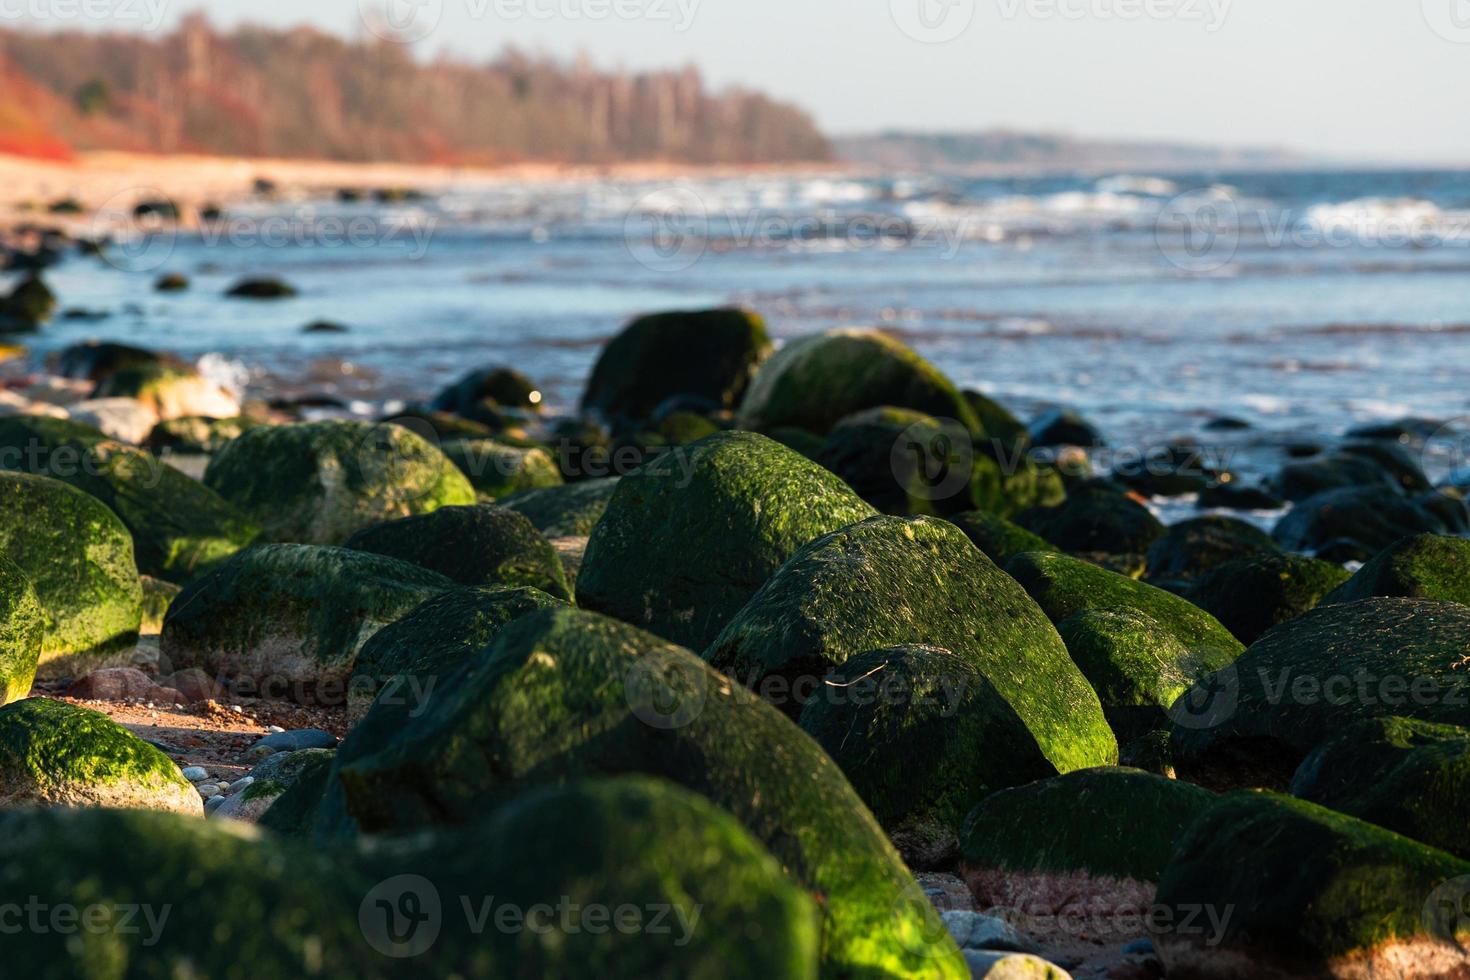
(1301, 302)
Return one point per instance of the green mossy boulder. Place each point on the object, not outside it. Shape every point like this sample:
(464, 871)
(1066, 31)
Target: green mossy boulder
(1095, 518)
(1267, 886)
(1000, 539)
(197, 435)
(1064, 586)
(79, 557)
(22, 624)
(58, 754)
(1003, 431)
(273, 776)
(1304, 681)
(814, 382)
(922, 736)
(1191, 548)
(291, 617)
(1412, 777)
(892, 581)
(1359, 522)
(1138, 667)
(1306, 478)
(179, 526)
(1251, 595)
(566, 694)
(688, 538)
(565, 511)
(1095, 840)
(479, 545)
(498, 469)
(709, 355)
(1425, 566)
(434, 639)
(144, 877)
(26, 307)
(320, 482)
(494, 387)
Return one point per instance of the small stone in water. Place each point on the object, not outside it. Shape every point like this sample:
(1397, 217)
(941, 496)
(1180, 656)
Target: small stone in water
(195, 774)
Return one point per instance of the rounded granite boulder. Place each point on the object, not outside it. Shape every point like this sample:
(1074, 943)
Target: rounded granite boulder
(79, 557)
(480, 545)
(688, 538)
(894, 581)
(813, 382)
(291, 618)
(58, 754)
(320, 482)
(22, 624)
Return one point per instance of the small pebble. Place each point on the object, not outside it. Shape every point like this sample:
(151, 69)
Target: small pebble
(208, 790)
(196, 774)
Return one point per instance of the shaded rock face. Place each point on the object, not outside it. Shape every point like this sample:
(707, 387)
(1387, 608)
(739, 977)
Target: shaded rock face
(1094, 841)
(1298, 890)
(22, 624)
(1425, 566)
(1408, 776)
(480, 545)
(79, 557)
(57, 754)
(1253, 722)
(1000, 539)
(1192, 548)
(889, 581)
(813, 382)
(179, 527)
(320, 482)
(1095, 518)
(923, 736)
(1251, 595)
(687, 539)
(292, 617)
(709, 355)
(564, 511)
(1355, 523)
(563, 693)
(500, 387)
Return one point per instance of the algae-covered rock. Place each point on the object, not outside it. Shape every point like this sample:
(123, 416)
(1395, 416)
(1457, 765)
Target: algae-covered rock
(708, 354)
(564, 511)
(320, 482)
(179, 527)
(687, 539)
(892, 581)
(1307, 679)
(1359, 522)
(641, 845)
(195, 434)
(499, 386)
(1425, 566)
(146, 879)
(566, 693)
(1000, 539)
(1411, 777)
(1138, 667)
(1290, 889)
(1094, 840)
(479, 545)
(922, 736)
(292, 617)
(1251, 595)
(58, 754)
(435, 638)
(272, 778)
(79, 557)
(1002, 429)
(1065, 427)
(1191, 548)
(1065, 586)
(813, 382)
(1095, 518)
(22, 624)
(498, 469)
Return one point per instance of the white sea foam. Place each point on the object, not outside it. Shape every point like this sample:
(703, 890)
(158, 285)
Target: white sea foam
(1132, 184)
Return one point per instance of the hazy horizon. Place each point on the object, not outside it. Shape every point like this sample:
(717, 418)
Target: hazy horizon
(1368, 82)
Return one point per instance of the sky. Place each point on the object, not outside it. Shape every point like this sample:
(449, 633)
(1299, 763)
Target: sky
(1385, 80)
